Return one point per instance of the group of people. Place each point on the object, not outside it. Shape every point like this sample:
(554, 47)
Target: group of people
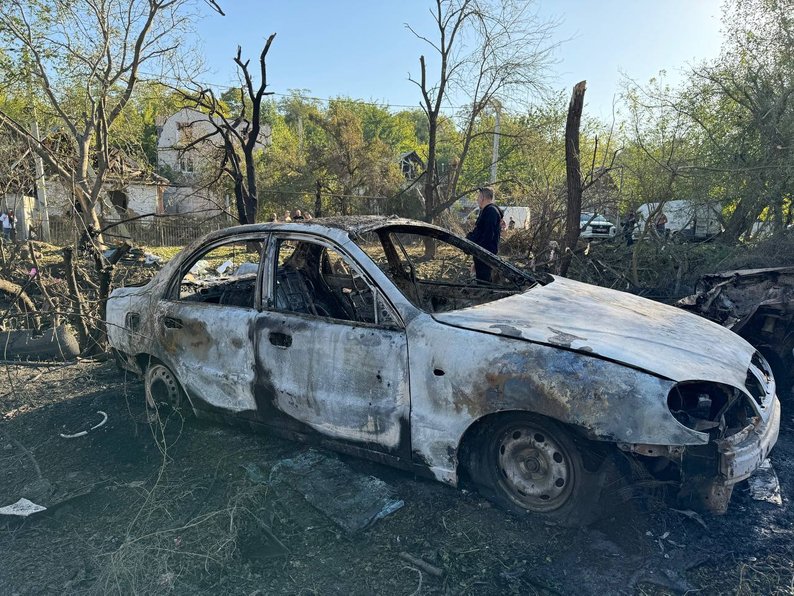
(296, 215)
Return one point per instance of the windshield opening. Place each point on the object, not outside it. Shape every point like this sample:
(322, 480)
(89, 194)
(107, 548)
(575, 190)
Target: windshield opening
(436, 270)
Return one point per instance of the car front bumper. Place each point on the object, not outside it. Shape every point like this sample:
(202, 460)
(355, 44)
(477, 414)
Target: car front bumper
(738, 457)
(742, 453)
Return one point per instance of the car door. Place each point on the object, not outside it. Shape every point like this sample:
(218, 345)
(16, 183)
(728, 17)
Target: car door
(331, 352)
(205, 323)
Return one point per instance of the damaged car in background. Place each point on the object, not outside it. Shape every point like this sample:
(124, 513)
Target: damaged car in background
(370, 336)
(758, 305)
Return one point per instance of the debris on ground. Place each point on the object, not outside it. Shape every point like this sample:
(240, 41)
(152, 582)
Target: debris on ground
(22, 508)
(764, 484)
(83, 433)
(354, 501)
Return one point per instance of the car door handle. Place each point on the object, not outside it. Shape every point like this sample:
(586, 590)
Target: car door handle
(172, 323)
(280, 340)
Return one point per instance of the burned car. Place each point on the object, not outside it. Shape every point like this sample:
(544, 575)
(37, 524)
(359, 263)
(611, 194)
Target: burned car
(370, 336)
(758, 305)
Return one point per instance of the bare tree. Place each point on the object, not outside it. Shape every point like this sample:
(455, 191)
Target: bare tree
(573, 168)
(82, 62)
(238, 137)
(484, 50)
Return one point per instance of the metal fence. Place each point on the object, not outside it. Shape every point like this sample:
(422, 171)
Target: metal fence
(160, 232)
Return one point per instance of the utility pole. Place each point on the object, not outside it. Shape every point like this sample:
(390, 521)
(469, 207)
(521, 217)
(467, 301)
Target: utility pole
(41, 186)
(495, 157)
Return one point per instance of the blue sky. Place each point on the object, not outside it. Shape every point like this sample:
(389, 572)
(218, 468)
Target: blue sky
(361, 48)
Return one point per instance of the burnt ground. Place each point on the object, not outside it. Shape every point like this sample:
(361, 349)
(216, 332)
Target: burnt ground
(131, 513)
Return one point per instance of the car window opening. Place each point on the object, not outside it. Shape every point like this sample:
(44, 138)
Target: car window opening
(224, 275)
(315, 280)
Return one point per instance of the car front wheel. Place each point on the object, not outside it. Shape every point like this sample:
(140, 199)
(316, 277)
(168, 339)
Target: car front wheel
(530, 464)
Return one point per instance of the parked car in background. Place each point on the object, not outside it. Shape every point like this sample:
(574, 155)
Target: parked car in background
(686, 220)
(596, 227)
(534, 388)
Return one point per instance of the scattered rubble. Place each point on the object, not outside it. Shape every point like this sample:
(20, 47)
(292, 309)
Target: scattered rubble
(765, 486)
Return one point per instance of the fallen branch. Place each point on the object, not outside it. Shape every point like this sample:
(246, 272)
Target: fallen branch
(37, 275)
(426, 567)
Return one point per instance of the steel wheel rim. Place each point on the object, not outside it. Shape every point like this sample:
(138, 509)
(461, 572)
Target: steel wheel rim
(534, 468)
(162, 387)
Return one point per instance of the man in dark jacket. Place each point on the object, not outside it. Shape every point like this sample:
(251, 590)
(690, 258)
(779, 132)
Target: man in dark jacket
(486, 231)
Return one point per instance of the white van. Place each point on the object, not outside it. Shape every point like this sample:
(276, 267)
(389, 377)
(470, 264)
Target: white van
(689, 220)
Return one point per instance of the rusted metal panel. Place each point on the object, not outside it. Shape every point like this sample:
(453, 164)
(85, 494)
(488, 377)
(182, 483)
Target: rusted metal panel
(758, 305)
(742, 453)
(458, 376)
(210, 351)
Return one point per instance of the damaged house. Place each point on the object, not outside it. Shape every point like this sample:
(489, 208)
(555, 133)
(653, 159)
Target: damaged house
(188, 151)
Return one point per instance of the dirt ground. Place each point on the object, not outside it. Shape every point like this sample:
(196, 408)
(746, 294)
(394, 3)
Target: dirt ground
(146, 508)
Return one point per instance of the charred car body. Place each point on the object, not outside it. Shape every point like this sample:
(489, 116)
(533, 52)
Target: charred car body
(758, 305)
(370, 336)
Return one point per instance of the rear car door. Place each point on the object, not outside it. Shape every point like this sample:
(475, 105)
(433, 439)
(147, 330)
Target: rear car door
(205, 322)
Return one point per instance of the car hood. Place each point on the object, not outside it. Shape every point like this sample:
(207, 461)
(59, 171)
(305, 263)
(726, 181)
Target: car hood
(615, 325)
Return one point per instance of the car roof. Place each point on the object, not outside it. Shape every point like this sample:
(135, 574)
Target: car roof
(353, 225)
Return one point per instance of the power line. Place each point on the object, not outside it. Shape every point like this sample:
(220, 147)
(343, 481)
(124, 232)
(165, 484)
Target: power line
(157, 78)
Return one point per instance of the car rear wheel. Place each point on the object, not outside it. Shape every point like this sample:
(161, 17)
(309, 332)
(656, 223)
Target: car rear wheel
(530, 464)
(162, 387)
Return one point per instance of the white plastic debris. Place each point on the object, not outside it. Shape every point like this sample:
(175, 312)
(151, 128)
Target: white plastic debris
(22, 508)
(224, 266)
(200, 267)
(764, 484)
(83, 433)
(150, 259)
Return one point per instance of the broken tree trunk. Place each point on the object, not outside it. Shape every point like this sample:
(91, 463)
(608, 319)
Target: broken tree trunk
(104, 268)
(574, 175)
(56, 319)
(78, 320)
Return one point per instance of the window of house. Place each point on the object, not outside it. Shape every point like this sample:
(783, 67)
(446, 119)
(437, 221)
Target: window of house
(118, 198)
(186, 164)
